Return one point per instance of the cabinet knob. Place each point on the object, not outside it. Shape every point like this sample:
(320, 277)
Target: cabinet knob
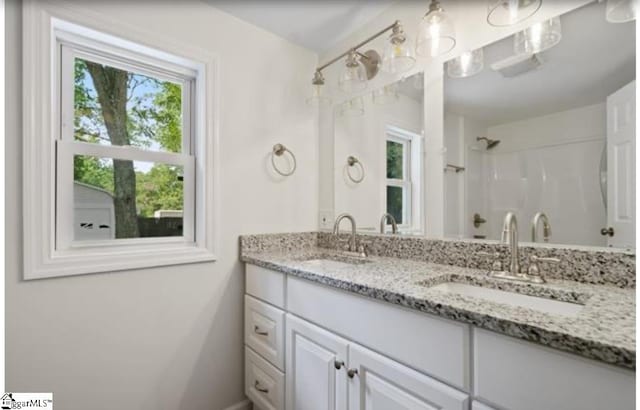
(260, 389)
(338, 364)
(607, 231)
(256, 330)
(352, 372)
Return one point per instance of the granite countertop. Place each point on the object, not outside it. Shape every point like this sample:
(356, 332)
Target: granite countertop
(603, 330)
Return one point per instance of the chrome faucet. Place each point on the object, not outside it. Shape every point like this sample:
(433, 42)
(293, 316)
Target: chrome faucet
(546, 227)
(510, 236)
(336, 229)
(383, 223)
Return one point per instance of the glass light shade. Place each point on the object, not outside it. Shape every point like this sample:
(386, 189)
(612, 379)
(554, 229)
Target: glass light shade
(354, 75)
(508, 12)
(621, 11)
(436, 34)
(318, 95)
(398, 55)
(386, 95)
(538, 37)
(352, 108)
(466, 65)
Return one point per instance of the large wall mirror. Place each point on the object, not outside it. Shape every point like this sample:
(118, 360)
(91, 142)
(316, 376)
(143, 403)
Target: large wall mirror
(542, 121)
(378, 156)
(549, 131)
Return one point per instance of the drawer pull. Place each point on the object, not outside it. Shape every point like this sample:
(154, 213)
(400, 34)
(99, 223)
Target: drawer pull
(256, 330)
(352, 372)
(338, 364)
(260, 389)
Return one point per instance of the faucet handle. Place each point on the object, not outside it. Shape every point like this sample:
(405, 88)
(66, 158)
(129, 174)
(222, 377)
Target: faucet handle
(534, 269)
(363, 245)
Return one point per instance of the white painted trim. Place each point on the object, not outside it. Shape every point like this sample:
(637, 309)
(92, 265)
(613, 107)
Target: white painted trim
(41, 259)
(2, 187)
(243, 405)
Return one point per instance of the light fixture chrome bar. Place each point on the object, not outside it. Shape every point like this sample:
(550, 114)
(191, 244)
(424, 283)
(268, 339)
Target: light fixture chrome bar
(359, 45)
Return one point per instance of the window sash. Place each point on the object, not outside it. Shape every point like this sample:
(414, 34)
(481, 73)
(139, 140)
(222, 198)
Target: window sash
(68, 54)
(65, 208)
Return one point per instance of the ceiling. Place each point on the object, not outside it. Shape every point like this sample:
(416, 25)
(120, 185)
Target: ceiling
(314, 24)
(593, 59)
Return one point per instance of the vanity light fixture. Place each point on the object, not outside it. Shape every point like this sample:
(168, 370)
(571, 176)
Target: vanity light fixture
(318, 92)
(502, 13)
(354, 75)
(538, 37)
(363, 66)
(467, 64)
(621, 11)
(436, 33)
(398, 55)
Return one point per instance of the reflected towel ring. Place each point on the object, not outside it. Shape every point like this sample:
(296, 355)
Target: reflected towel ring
(279, 150)
(353, 161)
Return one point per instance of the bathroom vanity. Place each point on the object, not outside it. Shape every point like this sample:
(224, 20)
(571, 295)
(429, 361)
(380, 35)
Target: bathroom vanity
(395, 330)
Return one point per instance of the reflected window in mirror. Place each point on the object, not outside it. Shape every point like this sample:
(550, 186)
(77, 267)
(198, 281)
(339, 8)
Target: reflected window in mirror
(401, 179)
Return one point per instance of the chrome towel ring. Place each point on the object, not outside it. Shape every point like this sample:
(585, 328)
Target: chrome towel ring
(352, 162)
(279, 150)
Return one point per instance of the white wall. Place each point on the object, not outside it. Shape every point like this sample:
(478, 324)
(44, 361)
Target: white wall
(365, 138)
(166, 338)
(549, 164)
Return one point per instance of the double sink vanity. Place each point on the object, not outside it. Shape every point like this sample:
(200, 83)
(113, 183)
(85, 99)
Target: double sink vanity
(422, 323)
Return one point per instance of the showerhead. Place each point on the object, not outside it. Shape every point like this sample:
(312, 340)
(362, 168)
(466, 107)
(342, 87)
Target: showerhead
(490, 143)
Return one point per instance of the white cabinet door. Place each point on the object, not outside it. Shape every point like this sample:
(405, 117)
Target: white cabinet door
(381, 383)
(621, 173)
(313, 379)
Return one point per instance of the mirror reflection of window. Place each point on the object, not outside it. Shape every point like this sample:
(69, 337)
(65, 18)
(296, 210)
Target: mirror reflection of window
(399, 183)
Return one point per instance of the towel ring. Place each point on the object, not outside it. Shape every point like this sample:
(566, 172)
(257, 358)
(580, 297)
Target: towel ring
(353, 161)
(279, 150)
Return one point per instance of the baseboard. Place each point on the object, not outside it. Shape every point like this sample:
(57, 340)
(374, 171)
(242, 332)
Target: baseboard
(243, 405)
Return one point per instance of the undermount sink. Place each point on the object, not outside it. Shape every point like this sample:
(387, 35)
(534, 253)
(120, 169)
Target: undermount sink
(333, 261)
(541, 304)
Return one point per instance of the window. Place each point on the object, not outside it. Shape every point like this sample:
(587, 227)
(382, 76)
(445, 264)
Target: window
(129, 170)
(124, 158)
(399, 179)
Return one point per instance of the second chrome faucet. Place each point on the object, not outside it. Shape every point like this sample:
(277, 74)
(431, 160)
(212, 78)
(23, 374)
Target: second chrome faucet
(510, 237)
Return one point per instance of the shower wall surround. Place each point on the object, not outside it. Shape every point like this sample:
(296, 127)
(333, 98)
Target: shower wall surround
(548, 163)
(580, 264)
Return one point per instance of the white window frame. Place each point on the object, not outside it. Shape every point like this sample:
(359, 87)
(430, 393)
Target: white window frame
(53, 38)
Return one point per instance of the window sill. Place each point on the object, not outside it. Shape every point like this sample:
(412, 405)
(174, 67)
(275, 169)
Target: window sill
(100, 260)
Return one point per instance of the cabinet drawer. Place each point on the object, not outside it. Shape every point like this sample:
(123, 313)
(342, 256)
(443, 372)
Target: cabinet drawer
(265, 284)
(515, 374)
(427, 343)
(264, 330)
(264, 384)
